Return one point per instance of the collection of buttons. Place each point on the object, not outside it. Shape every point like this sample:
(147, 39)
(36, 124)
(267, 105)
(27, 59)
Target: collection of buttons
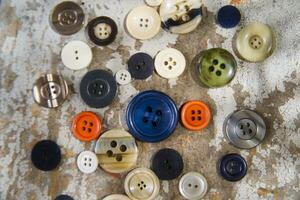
(151, 116)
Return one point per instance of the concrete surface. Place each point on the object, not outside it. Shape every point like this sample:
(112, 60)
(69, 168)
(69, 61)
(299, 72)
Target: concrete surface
(30, 48)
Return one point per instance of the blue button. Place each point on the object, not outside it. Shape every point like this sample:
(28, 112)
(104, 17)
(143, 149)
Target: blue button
(232, 167)
(228, 16)
(151, 116)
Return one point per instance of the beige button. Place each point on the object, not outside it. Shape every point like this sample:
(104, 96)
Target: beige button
(50, 90)
(255, 43)
(116, 197)
(66, 18)
(117, 151)
(141, 184)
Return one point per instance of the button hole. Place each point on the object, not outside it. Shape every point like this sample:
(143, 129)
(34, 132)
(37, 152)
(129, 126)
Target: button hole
(89, 130)
(83, 128)
(119, 158)
(149, 109)
(85, 122)
(109, 153)
(218, 73)
(113, 144)
(193, 118)
(215, 62)
(170, 67)
(241, 127)
(211, 69)
(123, 148)
(222, 66)
(196, 186)
(193, 112)
(77, 58)
(166, 63)
(154, 124)
(190, 185)
(91, 124)
(248, 124)
(199, 112)
(250, 131)
(199, 118)
(145, 120)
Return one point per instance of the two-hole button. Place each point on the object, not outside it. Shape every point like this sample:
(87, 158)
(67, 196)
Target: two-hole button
(193, 186)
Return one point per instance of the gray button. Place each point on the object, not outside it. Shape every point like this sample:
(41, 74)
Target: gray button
(50, 90)
(244, 129)
(193, 186)
(67, 18)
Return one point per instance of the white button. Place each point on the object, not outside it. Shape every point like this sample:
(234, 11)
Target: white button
(141, 184)
(143, 22)
(76, 55)
(153, 2)
(87, 162)
(193, 186)
(123, 77)
(170, 63)
(116, 197)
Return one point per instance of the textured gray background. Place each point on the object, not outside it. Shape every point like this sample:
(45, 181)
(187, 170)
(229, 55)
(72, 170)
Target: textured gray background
(30, 48)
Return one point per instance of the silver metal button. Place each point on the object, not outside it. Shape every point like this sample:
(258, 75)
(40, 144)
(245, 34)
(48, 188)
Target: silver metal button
(67, 18)
(50, 90)
(193, 186)
(244, 129)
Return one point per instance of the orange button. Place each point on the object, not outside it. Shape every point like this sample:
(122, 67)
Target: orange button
(86, 126)
(195, 115)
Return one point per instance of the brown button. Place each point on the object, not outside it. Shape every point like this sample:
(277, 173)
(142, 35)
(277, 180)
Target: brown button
(67, 18)
(117, 151)
(50, 90)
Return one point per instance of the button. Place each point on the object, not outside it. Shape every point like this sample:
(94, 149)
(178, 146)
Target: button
(167, 164)
(102, 30)
(169, 63)
(117, 151)
(151, 116)
(140, 66)
(50, 90)
(76, 55)
(64, 197)
(46, 155)
(153, 2)
(244, 129)
(180, 16)
(193, 186)
(141, 184)
(195, 115)
(116, 197)
(86, 126)
(87, 162)
(67, 18)
(98, 88)
(215, 67)
(232, 167)
(123, 77)
(255, 43)
(143, 23)
(228, 16)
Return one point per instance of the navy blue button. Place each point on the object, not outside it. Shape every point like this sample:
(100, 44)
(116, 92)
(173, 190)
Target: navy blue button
(140, 66)
(151, 116)
(64, 197)
(228, 16)
(232, 167)
(46, 155)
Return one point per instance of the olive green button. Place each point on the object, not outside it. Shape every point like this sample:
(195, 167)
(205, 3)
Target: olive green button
(216, 67)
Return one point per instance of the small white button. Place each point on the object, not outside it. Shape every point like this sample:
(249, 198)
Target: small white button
(141, 184)
(123, 77)
(143, 22)
(87, 162)
(153, 2)
(170, 63)
(116, 197)
(76, 55)
(193, 186)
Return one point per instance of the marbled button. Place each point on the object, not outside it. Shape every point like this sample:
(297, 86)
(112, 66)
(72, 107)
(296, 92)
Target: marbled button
(117, 151)
(180, 16)
(255, 43)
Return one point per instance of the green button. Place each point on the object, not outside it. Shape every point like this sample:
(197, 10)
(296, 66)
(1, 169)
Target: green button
(216, 67)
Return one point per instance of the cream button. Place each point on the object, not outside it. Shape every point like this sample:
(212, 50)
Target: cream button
(123, 77)
(193, 186)
(143, 22)
(76, 55)
(255, 43)
(116, 197)
(117, 151)
(141, 184)
(153, 2)
(87, 162)
(169, 63)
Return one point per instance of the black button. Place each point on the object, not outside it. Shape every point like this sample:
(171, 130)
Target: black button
(64, 197)
(98, 88)
(167, 164)
(102, 30)
(46, 155)
(228, 16)
(140, 66)
(232, 167)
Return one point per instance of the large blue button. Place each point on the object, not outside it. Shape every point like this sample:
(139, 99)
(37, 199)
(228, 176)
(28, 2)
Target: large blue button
(228, 16)
(151, 116)
(232, 167)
